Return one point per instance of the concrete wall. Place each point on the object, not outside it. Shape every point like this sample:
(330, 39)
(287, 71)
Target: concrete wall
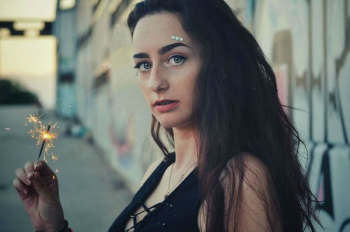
(109, 101)
(65, 32)
(306, 41)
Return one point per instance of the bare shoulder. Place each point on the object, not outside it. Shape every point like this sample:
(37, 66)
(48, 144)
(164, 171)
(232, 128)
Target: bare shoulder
(256, 196)
(150, 170)
(258, 203)
(255, 171)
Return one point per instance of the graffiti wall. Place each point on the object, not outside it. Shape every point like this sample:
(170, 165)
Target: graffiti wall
(308, 44)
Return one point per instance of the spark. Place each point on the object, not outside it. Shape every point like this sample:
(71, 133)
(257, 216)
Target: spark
(53, 157)
(44, 136)
(53, 177)
(57, 170)
(34, 119)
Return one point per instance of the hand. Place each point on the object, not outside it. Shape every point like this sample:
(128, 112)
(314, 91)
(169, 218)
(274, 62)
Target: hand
(37, 187)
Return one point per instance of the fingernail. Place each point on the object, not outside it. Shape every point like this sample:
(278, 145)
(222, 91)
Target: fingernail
(25, 191)
(37, 164)
(28, 182)
(29, 174)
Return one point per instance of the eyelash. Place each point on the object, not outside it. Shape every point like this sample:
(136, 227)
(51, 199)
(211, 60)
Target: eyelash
(182, 57)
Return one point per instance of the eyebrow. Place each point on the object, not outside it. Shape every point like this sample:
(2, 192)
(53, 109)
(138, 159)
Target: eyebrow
(161, 51)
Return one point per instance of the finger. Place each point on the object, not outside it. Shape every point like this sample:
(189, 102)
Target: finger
(43, 168)
(21, 175)
(29, 169)
(41, 188)
(19, 186)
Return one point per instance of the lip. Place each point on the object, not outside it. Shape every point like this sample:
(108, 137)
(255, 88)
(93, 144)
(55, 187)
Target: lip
(163, 100)
(167, 107)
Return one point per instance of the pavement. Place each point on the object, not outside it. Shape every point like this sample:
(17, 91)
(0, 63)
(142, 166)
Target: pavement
(92, 194)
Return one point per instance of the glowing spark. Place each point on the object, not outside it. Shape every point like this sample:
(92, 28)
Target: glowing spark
(7, 129)
(53, 177)
(57, 170)
(34, 119)
(44, 135)
(53, 157)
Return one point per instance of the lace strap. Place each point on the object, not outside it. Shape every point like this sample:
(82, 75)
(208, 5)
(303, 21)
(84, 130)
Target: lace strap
(146, 209)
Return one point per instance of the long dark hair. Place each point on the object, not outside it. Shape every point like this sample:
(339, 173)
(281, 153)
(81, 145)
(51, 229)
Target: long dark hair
(236, 110)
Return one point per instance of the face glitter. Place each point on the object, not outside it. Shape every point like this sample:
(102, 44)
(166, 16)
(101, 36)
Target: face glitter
(178, 38)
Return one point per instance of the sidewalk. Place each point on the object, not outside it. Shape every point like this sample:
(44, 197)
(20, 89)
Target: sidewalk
(91, 193)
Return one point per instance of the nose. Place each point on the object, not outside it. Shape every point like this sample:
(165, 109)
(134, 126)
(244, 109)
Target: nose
(158, 80)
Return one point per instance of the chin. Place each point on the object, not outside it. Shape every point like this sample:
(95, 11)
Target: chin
(167, 124)
(173, 119)
(173, 123)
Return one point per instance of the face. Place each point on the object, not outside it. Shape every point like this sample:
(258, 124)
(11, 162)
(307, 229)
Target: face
(167, 68)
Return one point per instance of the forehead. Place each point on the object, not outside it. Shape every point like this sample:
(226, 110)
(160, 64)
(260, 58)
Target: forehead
(154, 31)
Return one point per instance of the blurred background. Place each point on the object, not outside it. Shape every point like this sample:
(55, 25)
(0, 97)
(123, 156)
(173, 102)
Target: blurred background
(71, 60)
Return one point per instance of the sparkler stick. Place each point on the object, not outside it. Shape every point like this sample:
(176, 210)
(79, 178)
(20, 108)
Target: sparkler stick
(43, 144)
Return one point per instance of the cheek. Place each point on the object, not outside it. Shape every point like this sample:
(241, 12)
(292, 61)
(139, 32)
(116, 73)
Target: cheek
(190, 86)
(189, 82)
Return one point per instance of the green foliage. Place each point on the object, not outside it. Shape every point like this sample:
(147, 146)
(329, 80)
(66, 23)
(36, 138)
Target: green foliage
(13, 93)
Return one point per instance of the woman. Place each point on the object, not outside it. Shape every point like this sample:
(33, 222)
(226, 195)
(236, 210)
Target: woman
(235, 165)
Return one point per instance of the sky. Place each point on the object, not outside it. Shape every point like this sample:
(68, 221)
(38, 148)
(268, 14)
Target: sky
(30, 60)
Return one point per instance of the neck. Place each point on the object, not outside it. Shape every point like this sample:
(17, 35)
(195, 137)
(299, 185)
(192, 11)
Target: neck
(186, 148)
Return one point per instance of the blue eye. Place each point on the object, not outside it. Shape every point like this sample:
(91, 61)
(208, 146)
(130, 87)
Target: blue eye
(145, 65)
(178, 59)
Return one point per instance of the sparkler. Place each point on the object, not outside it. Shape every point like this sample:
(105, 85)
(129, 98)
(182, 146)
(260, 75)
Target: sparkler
(43, 136)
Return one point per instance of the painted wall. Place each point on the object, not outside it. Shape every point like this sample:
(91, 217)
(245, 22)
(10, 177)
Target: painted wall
(308, 44)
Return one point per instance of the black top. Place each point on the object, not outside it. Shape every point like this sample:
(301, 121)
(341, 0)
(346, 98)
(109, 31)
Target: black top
(178, 212)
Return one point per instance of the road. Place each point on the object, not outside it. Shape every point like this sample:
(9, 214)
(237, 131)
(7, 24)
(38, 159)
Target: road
(91, 193)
